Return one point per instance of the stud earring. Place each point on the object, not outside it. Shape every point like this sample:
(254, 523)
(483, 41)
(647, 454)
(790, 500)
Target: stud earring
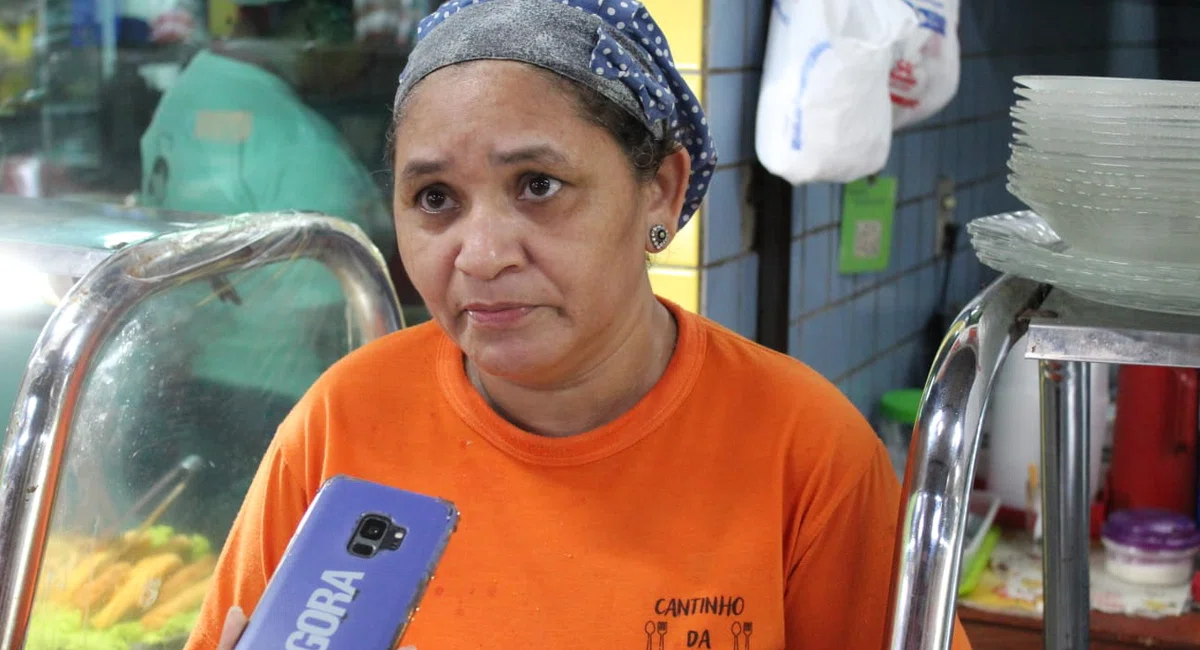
(658, 237)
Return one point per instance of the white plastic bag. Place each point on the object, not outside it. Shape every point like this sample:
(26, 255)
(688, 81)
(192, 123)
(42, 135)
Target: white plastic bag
(824, 112)
(925, 76)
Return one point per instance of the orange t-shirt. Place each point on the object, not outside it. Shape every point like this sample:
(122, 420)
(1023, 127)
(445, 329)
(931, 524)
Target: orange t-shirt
(743, 502)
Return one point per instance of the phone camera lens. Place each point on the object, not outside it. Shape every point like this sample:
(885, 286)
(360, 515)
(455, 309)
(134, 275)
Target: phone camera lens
(373, 529)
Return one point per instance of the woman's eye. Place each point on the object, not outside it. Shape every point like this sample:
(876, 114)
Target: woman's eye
(435, 199)
(541, 186)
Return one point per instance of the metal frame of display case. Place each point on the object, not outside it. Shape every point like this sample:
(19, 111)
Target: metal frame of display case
(45, 407)
(1065, 335)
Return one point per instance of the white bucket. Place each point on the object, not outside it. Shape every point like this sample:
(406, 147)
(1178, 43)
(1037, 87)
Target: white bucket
(1013, 425)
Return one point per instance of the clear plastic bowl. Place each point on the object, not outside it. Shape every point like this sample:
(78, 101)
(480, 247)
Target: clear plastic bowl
(1082, 84)
(1119, 237)
(1160, 231)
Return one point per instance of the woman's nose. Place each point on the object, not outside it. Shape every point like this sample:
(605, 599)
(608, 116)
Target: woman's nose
(490, 243)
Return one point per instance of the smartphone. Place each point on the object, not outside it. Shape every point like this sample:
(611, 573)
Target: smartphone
(355, 570)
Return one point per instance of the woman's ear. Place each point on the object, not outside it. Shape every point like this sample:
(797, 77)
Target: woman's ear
(665, 194)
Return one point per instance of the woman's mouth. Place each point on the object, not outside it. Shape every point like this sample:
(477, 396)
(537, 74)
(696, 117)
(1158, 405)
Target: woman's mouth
(497, 315)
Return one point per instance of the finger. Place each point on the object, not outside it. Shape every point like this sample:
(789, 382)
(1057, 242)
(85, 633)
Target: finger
(235, 622)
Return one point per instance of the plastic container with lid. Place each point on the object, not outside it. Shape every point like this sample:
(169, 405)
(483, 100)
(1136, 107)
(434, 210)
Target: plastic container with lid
(1150, 547)
(898, 412)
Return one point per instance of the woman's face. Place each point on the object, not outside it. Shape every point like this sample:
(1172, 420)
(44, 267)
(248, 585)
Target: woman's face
(521, 223)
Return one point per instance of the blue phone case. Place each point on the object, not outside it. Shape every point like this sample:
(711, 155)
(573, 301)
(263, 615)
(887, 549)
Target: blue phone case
(354, 571)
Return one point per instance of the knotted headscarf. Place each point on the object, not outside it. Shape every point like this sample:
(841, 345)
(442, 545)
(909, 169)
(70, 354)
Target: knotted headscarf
(613, 47)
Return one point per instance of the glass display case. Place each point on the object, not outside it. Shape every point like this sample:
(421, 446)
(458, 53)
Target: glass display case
(166, 349)
(211, 106)
(45, 246)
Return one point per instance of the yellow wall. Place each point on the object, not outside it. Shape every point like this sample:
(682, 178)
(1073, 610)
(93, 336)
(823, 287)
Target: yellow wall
(675, 273)
(683, 23)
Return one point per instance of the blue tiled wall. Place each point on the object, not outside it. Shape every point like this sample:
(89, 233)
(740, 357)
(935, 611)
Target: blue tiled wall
(729, 266)
(864, 331)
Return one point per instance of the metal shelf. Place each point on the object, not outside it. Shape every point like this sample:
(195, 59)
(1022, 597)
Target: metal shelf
(1065, 334)
(1069, 328)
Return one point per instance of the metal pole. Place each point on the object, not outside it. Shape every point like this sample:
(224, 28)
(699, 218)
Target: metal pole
(45, 406)
(942, 462)
(1066, 418)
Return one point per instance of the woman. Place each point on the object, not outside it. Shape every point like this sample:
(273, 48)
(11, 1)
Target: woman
(630, 475)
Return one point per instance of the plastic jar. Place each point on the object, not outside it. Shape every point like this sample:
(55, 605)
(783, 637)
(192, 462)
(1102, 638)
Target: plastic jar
(1150, 547)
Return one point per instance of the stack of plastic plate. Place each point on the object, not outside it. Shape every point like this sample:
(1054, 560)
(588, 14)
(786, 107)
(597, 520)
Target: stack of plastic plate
(1111, 164)
(1112, 168)
(1022, 243)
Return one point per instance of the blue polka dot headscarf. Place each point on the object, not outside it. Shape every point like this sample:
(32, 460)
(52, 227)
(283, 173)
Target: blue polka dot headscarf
(611, 46)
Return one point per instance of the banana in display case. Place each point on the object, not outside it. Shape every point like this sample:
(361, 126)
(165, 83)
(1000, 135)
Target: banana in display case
(166, 355)
(143, 588)
(136, 588)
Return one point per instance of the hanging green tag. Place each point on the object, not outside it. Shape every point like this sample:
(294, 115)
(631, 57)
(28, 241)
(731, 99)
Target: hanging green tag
(868, 206)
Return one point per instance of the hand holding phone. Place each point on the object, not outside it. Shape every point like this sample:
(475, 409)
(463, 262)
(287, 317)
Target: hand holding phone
(235, 623)
(353, 573)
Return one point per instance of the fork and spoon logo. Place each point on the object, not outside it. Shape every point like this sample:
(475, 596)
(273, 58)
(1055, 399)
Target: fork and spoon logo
(651, 629)
(741, 630)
